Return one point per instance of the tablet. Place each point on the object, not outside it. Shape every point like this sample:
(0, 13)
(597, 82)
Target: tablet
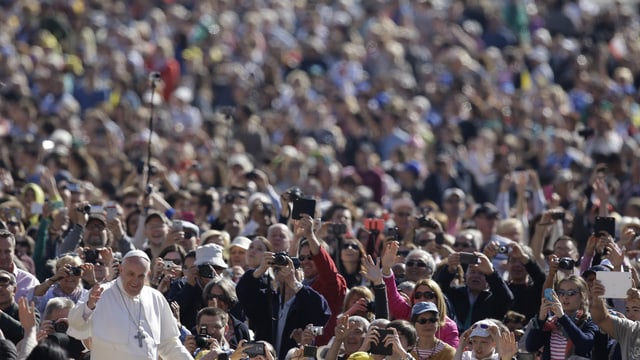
(303, 206)
(616, 283)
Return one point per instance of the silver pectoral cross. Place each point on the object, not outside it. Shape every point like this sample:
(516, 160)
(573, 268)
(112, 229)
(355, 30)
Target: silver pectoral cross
(140, 336)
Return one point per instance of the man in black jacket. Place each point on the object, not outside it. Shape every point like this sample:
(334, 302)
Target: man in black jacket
(276, 315)
(9, 319)
(484, 295)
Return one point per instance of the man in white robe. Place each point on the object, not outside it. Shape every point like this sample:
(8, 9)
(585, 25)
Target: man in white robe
(127, 320)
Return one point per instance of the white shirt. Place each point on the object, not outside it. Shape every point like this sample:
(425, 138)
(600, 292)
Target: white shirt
(113, 325)
(25, 282)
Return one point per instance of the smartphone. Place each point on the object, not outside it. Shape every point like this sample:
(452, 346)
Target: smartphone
(605, 223)
(36, 209)
(303, 206)
(112, 213)
(548, 294)
(380, 348)
(176, 225)
(468, 258)
(310, 351)
(373, 224)
(393, 233)
(55, 205)
(96, 209)
(254, 349)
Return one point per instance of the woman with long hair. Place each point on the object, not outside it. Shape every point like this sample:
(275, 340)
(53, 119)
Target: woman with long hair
(349, 261)
(563, 327)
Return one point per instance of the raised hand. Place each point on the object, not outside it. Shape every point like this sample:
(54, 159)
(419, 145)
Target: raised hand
(507, 346)
(371, 271)
(389, 256)
(27, 313)
(94, 296)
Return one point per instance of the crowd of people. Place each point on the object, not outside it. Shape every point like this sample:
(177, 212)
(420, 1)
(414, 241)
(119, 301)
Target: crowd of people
(332, 179)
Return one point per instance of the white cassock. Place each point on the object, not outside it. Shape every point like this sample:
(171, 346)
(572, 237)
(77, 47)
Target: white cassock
(113, 325)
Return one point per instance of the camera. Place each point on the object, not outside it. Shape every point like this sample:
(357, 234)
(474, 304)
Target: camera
(168, 265)
(229, 198)
(91, 256)
(60, 326)
(557, 215)
(75, 271)
(503, 249)
(371, 306)
(337, 229)
(84, 209)
(295, 194)
(317, 330)
(280, 259)
(427, 222)
(203, 339)
(206, 271)
(154, 76)
(566, 263)
(392, 232)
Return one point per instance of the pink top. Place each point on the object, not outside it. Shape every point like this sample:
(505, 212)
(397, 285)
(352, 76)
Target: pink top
(400, 309)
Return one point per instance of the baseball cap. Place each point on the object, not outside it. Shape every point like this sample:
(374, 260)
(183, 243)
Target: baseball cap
(481, 328)
(155, 213)
(594, 269)
(210, 254)
(98, 217)
(4, 274)
(453, 191)
(423, 307)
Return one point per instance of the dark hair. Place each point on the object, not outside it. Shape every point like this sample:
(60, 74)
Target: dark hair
(48, 350)
(228, 288)
(403, 327)
(212, 311)
(173, 248)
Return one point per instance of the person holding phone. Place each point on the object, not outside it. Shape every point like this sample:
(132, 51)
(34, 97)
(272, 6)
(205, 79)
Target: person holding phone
(563, 326)
(484, 295)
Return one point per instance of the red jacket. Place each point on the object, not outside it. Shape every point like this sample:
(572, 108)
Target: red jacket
(330, 284)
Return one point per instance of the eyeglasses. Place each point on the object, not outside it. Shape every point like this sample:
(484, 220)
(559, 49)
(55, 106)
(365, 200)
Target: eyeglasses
(189, 234)
(12, 223)
(304, 257)
(5, 282)
(417, 263)
(567, 292)
(429, 295)
(131, 205)
(403, 253)
(350, 246)
(22, 243)
(423, 321)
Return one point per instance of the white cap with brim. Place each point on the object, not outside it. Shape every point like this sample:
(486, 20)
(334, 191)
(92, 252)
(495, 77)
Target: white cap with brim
(210, 254)
(481, 328)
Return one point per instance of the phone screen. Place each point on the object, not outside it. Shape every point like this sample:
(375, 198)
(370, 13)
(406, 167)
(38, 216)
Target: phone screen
(605, 223)
(468, 258)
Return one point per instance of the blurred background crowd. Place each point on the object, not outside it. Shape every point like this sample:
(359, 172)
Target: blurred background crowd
(511, 121)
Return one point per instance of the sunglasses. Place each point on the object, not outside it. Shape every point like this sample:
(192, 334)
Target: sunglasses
(567, 292)
(189, 234)
(175, 261)
(423, 321)
(215, 296)
(350, 246)
(131, 205)
(462, 244)
(417, 263)
(429, 295)
(481, 326)
(304, 257)
(403, 253)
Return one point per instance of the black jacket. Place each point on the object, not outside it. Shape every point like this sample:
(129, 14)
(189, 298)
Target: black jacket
(261, 306)
(491, 303)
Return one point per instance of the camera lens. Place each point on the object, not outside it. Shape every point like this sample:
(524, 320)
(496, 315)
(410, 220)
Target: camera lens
(280, 259)
(60, 326)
